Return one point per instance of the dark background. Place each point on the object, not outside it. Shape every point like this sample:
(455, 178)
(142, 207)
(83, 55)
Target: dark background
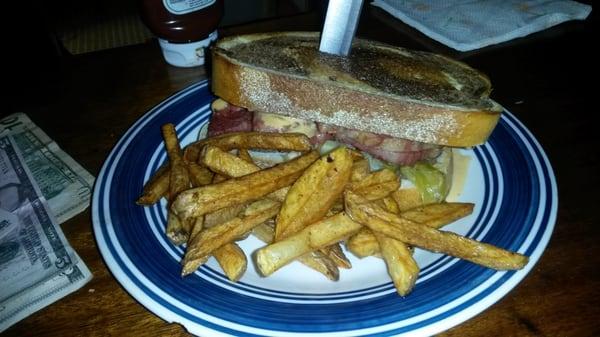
(33, 31)
(35, 54)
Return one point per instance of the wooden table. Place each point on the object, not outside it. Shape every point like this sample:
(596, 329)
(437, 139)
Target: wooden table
(545, 80)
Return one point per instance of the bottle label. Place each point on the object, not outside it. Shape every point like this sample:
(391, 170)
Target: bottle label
(179, 7)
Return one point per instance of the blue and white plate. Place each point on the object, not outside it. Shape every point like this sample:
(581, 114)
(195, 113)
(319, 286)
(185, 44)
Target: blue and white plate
(509, 179)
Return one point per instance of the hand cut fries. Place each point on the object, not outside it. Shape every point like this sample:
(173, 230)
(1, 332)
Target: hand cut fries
(316, 202)
(199, 175)
(410, 232)
(232, 260)
(230, 257)
(364, 243)
(376, 185)
(222, 215)
(250, 140)
(214, 237)
(232, 166)
(156, 188)
(401, 266)
(315, 260)
(177, 229)
(389, 204)
(335, 253)
(318, 235)
(179, 179)
(158, 185)
(225, 163)
(360, 170)
(307, 201)
(244, 155)
(201, 200)
(407, 198)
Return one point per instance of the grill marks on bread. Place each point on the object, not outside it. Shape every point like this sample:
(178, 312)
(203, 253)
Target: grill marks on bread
(370, 68)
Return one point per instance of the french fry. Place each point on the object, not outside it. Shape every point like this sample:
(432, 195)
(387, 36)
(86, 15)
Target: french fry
(232, 260)
(376, 185)
(179, 179)
(322, 263)
(225, 163)
(407, 198)
(338, 206)
(280, 253)
(214, 237)
(398, 258)
(250, 140)
(418, 235)
(156, 187)
(199, 175)
(315, 191)
(360, 170)
(307, 201)
(177, 229)
(230, 257)
(313, 237)
(232, 196)
(438, 215)
(315, 260)
(280, 194)
(231, 166)
(265, 232)
(331, 230)
(202, 200)
(244, 155)
(223, 215)
(197, 227)
(401, 266)
(336, 254)
(193, 265)
(364, 243)
(389, 204)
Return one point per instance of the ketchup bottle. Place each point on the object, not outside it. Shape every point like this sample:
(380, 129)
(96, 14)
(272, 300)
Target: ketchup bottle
(184, 28)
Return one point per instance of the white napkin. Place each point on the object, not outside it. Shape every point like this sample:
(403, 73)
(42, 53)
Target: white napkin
(472, 24)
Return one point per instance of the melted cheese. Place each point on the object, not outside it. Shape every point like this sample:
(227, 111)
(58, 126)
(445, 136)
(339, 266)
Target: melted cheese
(287, 124)
(459, 175)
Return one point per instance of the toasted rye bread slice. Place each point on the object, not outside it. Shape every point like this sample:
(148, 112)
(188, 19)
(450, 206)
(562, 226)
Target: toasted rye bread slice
(378, 88)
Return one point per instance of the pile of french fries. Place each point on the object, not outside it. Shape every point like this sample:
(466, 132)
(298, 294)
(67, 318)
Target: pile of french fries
(304, 210)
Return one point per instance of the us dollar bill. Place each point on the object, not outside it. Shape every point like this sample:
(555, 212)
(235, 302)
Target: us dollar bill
(65, 184)
(37, 264)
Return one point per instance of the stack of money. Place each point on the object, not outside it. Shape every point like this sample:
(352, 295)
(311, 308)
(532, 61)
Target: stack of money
(40, 187)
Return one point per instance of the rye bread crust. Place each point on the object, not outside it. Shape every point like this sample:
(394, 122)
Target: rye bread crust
(325, 93)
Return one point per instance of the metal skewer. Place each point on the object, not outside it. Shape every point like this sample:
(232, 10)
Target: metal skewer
(340, 26)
